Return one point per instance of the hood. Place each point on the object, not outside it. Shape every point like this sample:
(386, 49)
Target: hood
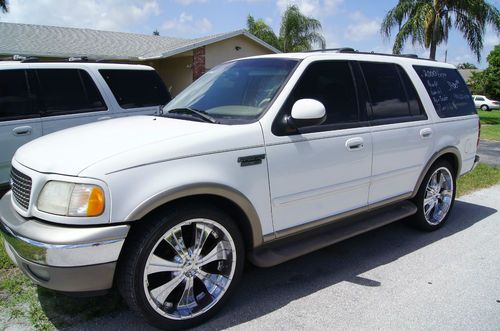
(70, 151)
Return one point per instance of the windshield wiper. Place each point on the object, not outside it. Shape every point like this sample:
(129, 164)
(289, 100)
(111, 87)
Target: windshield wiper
(198, 113)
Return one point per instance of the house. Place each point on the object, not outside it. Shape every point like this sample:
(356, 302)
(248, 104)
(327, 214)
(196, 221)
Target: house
(179, 61)
(467, 74)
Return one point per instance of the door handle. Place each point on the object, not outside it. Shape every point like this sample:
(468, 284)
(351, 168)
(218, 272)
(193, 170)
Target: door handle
(354, 144)
(104, 118)
(22, 130)
(426, 133)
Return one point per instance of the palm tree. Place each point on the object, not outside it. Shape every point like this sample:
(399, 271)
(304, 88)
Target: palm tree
(261, 30)
(297, 32)
(427, 22)
(4, 6)
(466, 65)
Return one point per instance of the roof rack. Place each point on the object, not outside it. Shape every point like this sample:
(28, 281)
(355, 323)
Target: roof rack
(352, 50)
(338, 50)
(28, 59)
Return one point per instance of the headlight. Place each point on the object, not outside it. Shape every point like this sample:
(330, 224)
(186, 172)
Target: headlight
(70, 199)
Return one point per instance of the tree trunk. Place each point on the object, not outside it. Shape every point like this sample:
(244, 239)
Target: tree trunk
(434, 40)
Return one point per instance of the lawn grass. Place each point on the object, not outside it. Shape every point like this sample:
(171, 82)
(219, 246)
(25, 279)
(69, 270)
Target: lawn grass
(483, 176)
(490, 124)
(489, 117)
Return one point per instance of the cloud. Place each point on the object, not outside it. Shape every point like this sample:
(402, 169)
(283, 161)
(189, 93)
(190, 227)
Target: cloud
(188, 2)
(361, 27)
(315, 8)
(186, 24)
(114, 15)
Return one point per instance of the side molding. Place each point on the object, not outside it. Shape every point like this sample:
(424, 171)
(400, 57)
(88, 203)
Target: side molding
(437, 155)
(201, 189)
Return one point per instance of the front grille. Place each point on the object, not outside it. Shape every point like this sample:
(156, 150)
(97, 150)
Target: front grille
(21, 187)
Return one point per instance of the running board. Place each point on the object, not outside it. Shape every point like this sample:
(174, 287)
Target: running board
(281, 250)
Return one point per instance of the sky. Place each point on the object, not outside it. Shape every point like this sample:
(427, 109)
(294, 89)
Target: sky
(346, 23)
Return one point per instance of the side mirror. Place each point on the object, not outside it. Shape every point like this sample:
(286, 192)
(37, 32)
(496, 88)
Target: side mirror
(306, 112)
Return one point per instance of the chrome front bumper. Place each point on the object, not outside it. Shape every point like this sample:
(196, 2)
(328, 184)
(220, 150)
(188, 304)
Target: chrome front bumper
(64, 258)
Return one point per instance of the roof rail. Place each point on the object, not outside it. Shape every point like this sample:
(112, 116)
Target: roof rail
(339, 50)
(351, 50)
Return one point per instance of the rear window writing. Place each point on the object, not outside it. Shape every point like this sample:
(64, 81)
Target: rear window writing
(447, 90)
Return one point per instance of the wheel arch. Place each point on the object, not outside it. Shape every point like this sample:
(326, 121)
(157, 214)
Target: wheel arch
(222, 196)
(450, 154)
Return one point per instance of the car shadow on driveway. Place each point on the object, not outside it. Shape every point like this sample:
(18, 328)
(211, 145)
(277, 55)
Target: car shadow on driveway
(263, 291)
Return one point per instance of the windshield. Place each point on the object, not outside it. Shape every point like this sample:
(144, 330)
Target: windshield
(235, 92)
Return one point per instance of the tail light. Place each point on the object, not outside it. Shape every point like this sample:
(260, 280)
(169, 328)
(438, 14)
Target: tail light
(496, 102)
(478, 131)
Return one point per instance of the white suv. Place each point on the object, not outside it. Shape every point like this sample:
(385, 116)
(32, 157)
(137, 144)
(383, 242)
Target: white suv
(482, 102)
(265, 158)
(38, 98)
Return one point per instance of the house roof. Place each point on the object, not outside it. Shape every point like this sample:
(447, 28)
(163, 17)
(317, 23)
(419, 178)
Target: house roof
(467, 73)
(54, 41)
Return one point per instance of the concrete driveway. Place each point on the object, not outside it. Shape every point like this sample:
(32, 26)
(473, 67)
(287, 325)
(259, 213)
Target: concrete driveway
(392, 278)
(489, 152)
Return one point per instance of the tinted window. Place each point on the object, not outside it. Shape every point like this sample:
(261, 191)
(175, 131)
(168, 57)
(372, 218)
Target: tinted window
(15, 100)
(447, 90)
(480, 99)
(66, 91)
(332, 84)
(411, 93)
(136, 88)
(388, 98)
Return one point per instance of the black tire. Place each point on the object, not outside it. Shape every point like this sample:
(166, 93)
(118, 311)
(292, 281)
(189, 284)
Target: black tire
(140, 244)
(419, 219)
(485, 108)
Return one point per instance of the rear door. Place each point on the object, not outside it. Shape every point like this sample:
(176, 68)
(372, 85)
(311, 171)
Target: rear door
(137, 92)
(68, 97)
(19, 118)
(402, 133)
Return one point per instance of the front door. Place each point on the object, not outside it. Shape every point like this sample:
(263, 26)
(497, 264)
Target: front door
(323, 170)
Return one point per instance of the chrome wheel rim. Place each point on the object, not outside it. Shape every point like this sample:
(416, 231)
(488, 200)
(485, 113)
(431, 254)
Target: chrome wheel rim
(189, 269)
(438, 196)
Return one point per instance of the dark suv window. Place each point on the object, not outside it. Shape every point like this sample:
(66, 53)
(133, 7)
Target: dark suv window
(447, 90)
(15, 99)
(331, 83)
(67, 91)
(391, 91)
(136, 88)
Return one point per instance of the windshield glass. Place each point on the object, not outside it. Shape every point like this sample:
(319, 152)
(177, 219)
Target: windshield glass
(235, 92)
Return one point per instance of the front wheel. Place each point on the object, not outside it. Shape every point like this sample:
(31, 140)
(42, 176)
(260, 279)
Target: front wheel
(181, 267)
(435, 197)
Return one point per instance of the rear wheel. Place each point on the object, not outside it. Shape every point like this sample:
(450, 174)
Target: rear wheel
(435, 197)
(485, 107)
(181, 268)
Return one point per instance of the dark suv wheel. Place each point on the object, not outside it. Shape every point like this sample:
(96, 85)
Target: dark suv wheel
(180, 267)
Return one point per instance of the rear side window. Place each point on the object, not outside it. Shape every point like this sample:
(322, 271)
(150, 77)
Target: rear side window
(479, 99)
(136, 88)
(447, 90)
(15, 99)
(392, 94)
(68, 91)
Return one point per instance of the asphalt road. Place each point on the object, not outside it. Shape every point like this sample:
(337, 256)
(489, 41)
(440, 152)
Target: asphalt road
(392, 278)
(489, 152)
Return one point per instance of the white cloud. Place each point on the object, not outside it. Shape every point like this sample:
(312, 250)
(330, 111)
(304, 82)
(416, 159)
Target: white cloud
(491, 39)
(361, 27)
(112, 15)
(186, 24)
(314, 8)
(188, 2)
